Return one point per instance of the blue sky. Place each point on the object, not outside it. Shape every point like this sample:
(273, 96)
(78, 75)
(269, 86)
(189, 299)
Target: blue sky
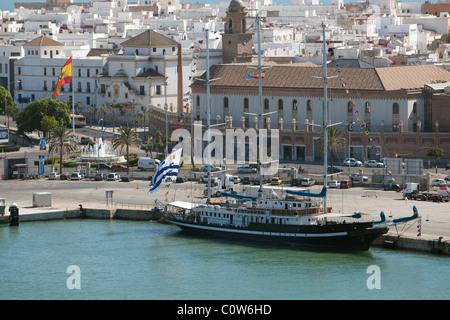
(9, 5)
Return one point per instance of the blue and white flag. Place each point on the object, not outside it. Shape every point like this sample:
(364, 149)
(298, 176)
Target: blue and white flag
(167, 170)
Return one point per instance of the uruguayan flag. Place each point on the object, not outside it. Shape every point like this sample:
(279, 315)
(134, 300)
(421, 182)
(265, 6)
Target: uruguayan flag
(167, 170)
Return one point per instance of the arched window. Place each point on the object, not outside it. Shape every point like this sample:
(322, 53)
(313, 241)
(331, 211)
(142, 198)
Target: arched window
(367, 107)
(225, 103)
(245, 103)
(294, 105)
(266, 104)
(230, 26)
(308, 105)
(280, 104)
(395, 108)
(198, 101)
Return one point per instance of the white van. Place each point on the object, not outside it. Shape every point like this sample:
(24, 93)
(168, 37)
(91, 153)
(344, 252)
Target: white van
(148, 164)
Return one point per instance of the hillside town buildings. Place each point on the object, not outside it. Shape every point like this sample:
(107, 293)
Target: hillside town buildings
(391, 60)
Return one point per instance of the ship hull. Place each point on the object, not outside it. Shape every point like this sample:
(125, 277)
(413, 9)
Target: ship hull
(352, 236)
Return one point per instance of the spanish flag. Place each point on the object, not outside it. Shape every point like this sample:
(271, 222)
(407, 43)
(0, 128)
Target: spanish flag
(64, 77)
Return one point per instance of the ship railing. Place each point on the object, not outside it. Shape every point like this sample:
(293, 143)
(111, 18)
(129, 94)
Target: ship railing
(251, 211)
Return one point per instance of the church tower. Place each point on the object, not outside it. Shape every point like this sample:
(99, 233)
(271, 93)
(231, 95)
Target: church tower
(237, 45)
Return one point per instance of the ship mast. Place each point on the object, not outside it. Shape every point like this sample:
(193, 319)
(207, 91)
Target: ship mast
(261, 110)
(325, 119)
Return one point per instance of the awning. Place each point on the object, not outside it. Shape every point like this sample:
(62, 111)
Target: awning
(183, 205)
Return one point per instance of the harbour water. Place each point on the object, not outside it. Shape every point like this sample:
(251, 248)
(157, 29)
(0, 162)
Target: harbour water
(147, 260)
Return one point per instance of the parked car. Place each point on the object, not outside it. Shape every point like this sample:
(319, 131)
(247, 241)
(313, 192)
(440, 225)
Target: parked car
(213, 168)
(126, 178)
(76, 176)
(64, 176)
(296, 182)
(245, 169)
(276, 181)
(374, 164)
(118, 167)
(246, 180)
(352, 162)
(392, 186)
(236, 179)
(447, 178)
(335, 169)
(333, 184)
(181, 179)
(53, 176)
(99, 176)
(103, 166)
(438, 183)
(345, 184)
(358, 177)
(306, 182)
(112, 176)
(204, 179)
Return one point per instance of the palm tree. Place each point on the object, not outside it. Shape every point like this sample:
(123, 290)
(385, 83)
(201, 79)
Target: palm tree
(336, 142)
(61, 142)
(126, 137)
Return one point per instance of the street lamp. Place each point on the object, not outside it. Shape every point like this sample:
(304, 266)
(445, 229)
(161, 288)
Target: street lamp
(165, 107)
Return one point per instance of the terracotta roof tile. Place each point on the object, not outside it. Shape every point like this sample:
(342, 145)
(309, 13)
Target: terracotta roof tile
(410, 77)
(43, 41)
(295, 77)
(149, 39)
(283, 76)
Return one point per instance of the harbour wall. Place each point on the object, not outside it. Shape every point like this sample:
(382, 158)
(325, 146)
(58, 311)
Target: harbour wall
(426, 244)
(85, 213)
(438, 245)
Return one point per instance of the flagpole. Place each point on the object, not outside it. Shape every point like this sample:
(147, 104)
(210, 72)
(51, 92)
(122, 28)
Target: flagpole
(73, 104)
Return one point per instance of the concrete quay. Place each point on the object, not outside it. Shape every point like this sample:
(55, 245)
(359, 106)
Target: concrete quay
(130, 201)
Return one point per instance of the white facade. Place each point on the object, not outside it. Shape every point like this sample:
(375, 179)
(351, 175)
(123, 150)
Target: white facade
(36, 79)
(381, 111)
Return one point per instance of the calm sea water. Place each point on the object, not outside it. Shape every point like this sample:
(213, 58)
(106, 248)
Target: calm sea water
(145, 260)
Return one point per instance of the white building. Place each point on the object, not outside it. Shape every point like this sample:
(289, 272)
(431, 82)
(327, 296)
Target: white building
(36, 74)
(148, 65)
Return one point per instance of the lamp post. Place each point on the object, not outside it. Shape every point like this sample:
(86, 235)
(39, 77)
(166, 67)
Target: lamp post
(166, 150)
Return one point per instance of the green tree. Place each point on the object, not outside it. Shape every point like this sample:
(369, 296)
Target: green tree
(61, 142)
(336, 142)
(148, 149)
(29, 118)
(7, 104)
(48, 123)
(437, 153)
(127, 136)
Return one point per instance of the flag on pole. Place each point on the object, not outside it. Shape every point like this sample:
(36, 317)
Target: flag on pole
(167, 170)
(64, 77)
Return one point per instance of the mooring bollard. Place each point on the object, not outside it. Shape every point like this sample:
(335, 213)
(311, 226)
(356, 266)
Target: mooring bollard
(13, 215)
